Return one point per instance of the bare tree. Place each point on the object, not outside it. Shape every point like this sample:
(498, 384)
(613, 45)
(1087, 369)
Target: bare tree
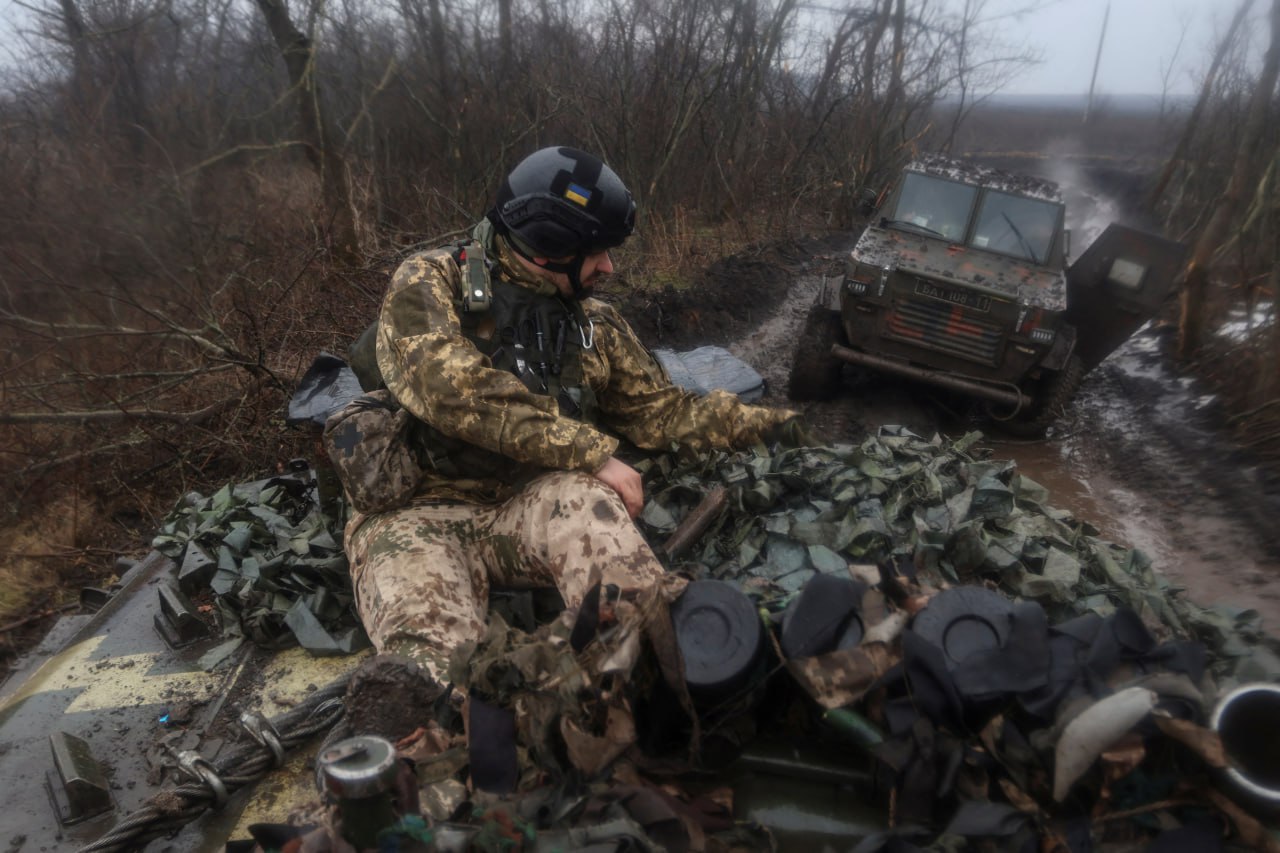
(1191, 326)
(320, 136)
(983, 65)
(1206, 92)
(1167, 67)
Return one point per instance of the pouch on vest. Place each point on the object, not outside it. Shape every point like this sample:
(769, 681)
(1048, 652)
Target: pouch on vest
(368, 442)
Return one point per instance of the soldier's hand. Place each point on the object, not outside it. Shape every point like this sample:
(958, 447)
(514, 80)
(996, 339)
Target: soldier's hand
(624, 480)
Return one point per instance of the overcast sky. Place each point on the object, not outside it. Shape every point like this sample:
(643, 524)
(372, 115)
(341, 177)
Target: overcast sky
(1142, 40)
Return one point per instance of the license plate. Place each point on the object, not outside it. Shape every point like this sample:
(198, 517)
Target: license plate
(964, 298)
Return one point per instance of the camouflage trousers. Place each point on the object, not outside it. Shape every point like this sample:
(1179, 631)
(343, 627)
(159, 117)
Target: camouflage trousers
(422, 572)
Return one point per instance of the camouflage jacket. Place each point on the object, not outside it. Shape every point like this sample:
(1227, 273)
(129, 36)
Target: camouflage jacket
(498, 433)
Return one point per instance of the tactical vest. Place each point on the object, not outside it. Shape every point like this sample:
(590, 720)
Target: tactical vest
(539, 338)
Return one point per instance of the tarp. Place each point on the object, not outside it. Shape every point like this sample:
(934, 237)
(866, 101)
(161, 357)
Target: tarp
(708, 368)
(327, 386)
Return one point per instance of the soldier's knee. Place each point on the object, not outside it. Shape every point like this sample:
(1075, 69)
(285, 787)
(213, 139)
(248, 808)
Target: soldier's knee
(599, 501)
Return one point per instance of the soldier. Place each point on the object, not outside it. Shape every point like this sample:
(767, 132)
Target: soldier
(517, 395)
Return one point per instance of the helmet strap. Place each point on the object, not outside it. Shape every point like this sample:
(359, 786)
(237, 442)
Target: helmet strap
(571, 268)
(575, 276)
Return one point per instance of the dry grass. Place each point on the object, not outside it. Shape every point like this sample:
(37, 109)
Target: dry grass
(671, 250)
(45, 555)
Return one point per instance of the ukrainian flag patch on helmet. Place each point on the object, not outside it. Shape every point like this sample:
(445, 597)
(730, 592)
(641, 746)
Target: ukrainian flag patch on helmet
(577, 194)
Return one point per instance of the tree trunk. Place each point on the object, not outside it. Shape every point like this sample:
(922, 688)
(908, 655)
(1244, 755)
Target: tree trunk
(439, 52)
(962, 77)
(1193, 121)
(1195, 289)
(866, 117)
(319, 137)
(451, 110)
(81, 60)
(1097, 61)
(505, 46)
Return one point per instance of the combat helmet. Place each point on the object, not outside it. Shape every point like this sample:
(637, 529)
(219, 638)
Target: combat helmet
(561, 202)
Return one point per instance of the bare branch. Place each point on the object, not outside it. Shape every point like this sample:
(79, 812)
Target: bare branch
(283, 145)
(114, 415)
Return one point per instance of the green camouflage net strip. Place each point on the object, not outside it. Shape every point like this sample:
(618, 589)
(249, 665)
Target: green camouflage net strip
(943, 505)
(273, 561)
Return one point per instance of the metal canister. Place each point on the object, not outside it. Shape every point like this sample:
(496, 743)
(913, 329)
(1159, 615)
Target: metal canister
(361, 772)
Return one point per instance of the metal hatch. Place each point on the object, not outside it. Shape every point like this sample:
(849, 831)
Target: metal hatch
(1117, 285)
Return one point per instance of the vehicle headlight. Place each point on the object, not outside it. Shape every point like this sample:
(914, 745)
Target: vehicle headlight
(1042, 336)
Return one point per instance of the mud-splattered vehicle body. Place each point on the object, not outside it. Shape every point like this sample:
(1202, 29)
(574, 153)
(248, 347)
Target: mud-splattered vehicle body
(961, 281)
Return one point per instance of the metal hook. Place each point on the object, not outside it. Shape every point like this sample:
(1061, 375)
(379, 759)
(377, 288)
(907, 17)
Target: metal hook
(588, 342)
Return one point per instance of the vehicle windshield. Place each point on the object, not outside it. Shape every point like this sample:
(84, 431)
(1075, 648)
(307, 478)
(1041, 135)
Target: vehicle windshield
(1014, 225)
(1011, 225)
(935, 205)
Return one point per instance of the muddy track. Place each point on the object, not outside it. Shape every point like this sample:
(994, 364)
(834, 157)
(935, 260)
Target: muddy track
(1176, 452)
(1136, 455)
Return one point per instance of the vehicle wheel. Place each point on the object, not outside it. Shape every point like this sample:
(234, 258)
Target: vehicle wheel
(815, 372)
(1054, 392)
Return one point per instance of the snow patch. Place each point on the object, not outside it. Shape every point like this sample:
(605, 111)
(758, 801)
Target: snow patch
(1241, 325)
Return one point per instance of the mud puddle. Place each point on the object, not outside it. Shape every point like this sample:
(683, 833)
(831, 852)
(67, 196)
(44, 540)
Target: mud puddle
(1131, 458)
(1163, 478)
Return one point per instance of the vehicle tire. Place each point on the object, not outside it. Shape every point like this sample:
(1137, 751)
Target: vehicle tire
(1053, 393)
(815, 372)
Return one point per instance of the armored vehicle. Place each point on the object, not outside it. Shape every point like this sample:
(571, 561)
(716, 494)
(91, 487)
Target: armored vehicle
(961, 280)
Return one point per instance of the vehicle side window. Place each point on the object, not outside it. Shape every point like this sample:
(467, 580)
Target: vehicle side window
(938, 205)
(1012, 225)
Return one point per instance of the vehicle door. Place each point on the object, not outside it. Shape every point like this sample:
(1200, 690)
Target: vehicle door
(1117, 285)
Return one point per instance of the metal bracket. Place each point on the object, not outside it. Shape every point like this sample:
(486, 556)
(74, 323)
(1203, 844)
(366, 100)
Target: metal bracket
(194, 765)
(262, 731)
(77, 785)
(197, 569)
(177, 621)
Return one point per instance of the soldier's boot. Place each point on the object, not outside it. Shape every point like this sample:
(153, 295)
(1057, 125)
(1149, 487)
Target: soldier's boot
(390, 695)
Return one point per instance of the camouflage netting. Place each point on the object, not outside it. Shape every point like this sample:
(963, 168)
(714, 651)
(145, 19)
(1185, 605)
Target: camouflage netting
(275, 566)
(955, 515)
(985, 748)
(272, 560)
(959, 754)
